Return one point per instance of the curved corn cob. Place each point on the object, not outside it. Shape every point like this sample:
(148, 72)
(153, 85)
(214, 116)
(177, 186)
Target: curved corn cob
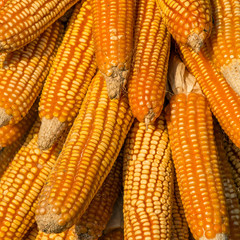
(23, 21)
(98, 213)
(21, 184)
(148, 182)
(69, 77)
(116, 234)
(197, 165)
(32, 233)
(223, 101)
(230, 191)
(224, 43)
(179, 229)
(113, 22)
(92, 147)
(147, 81)
(11, 133)
(23, 75)
(189, 21)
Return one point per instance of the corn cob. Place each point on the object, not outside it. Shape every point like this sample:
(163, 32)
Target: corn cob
(146, 84)
(196, 160)
(113, 23)
(223, 101)
(116, 234)
(69, 77)
(23, 21)
(32, 233)
(148, 182)
(224, 44)
(21, 183)
(96, 217)
(11, 133)
(230, 191)
(90, 150)
(179, 229)
(23, 75)
(189, 21)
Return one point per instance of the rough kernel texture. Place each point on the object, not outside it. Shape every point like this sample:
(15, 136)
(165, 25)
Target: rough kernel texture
(147, 182)
(147, 80)
(91, 148)
(223, 101)
(25, 70)
(21, 184)
(197, 165)
(189, 21)
(23, 21)
(113, 22)
(98, 213)
(72, 70)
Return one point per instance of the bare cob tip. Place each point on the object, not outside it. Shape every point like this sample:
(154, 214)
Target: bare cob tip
(149, 117)
(116, 82)
(4, 117)
(49, 131)
(219, 236)
(195, 41)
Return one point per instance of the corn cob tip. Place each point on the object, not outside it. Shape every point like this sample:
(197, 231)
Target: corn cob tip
(232, 72)
(49, 131)
(116, 81)
(149, 117)
(195, 41)
(219, 236)
(4, 117)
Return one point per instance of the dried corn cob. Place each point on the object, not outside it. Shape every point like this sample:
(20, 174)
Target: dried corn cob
(223, 101)
(23, 74)
(91, 148)
(195, 159)
(113, 23)
(32, 233)
(179, 229)
(21, 184)
(230, 191)
(96, 217)
(23, 21)
(116, 234)
(69, 77)
(11, 133)
(147, 81)
(189, 21)
(224, 43)
(148, 182)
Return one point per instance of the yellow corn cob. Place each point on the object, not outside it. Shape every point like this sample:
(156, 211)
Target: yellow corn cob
(91, 148)
(223, 101)
(116, 234)
(179, 225)
(23, 74)
(96, 217)
(147, 81)
(148, 182)
(32, 233)
(69, 77)
(113, 22)
(21, 184)
(66, 235)
(195, 157)
(23, 21)
(189, 21)
(230, 191)
(11, 133)
(224, 43)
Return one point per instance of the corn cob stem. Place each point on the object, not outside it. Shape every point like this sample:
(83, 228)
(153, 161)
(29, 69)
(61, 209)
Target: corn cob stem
(113, 23)
(147, 80)
(148, 182)
(92, 147)
(189, 21)
(23, 21)
(23, 75)
(69, 77)
(197, 164)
